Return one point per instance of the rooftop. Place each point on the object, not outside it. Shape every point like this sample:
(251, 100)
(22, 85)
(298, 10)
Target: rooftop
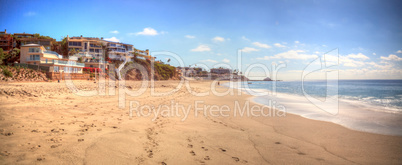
(31, 45)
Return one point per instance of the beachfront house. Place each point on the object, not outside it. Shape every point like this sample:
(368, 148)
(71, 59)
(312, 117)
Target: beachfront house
(6, 41)
(47, 43)
(143, 54)
(34, 54)
(221, 71)
(119, 51)
(89, 49)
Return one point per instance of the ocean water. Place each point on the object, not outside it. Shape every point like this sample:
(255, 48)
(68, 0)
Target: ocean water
(373, 106)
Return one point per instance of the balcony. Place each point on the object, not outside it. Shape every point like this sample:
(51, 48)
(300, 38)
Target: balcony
(112, 56)
(83, 54)
(116, 51)
(33, 59)
(61, 62)
(95, 46)
(95, 61)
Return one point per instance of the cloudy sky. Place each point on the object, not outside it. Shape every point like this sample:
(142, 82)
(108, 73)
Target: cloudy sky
(364, 36)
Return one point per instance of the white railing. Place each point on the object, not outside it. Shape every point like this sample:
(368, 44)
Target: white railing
(33, 59)
(61, 62)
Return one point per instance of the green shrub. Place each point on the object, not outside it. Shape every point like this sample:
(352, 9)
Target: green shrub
(165, 71)
(7, 73)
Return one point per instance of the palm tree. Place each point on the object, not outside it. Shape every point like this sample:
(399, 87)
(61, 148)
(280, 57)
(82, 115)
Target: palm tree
(64, 47)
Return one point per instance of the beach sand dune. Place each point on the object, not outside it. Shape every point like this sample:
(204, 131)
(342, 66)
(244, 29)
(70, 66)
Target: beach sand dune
(46, 123)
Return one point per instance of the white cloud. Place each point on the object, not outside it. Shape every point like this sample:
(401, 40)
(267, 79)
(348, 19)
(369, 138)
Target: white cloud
(219, 54)
(113, 39)
(279, 45)
(345, 60)
(226, 60)
(218, 39)
(29, 14)
(209, 60)
(114, 32)
(391, 57)
(296, 42)
(248, 49)
(291, 54)
(147, 32)
(189, 36)
(358, 56)
(374, 54)
(244, 38)
(399, 51)
(201, 48)
(261, 45)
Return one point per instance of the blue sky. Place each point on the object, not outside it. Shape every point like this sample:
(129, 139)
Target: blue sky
(367, 34)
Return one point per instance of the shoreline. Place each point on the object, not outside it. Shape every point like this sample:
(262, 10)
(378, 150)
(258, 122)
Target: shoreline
(383, 126)
(60, 126)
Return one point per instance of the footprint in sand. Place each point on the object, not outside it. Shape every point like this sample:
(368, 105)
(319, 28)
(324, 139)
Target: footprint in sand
(192, 153)
(207, 158)
(205, 149)
(236, 159)
(190, 146)
(277, 142)
(301, 153)
(223, 150)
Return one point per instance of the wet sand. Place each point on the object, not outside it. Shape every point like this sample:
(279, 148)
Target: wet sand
(45, 123)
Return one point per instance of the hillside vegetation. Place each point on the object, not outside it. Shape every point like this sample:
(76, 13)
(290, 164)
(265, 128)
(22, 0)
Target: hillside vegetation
(9, 73)
(162, 71)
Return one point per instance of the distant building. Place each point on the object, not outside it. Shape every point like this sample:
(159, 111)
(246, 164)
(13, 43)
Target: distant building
(88, 46)
(3, 32)
(26, 38)
(120, 51)
(23, 35)
(37, 55)
(188, 71)
(143, 53)
(47, 43)
(6, 41)
(221, 71)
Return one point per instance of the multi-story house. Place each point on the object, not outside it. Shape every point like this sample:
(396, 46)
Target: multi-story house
(6, 41)
(89, 49)
(47, 43)
(23, 35)
(221, 71)
(88, 45)
(26, 38)
(143, 53)
(120, 51)
(37, 55)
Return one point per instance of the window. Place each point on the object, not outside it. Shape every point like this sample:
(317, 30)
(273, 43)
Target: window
(33, 50)
(34, 57)
(74, 43)
(56, 68)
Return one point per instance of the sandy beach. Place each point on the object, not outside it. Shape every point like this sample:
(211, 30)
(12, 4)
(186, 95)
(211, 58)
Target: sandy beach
(46, 123)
